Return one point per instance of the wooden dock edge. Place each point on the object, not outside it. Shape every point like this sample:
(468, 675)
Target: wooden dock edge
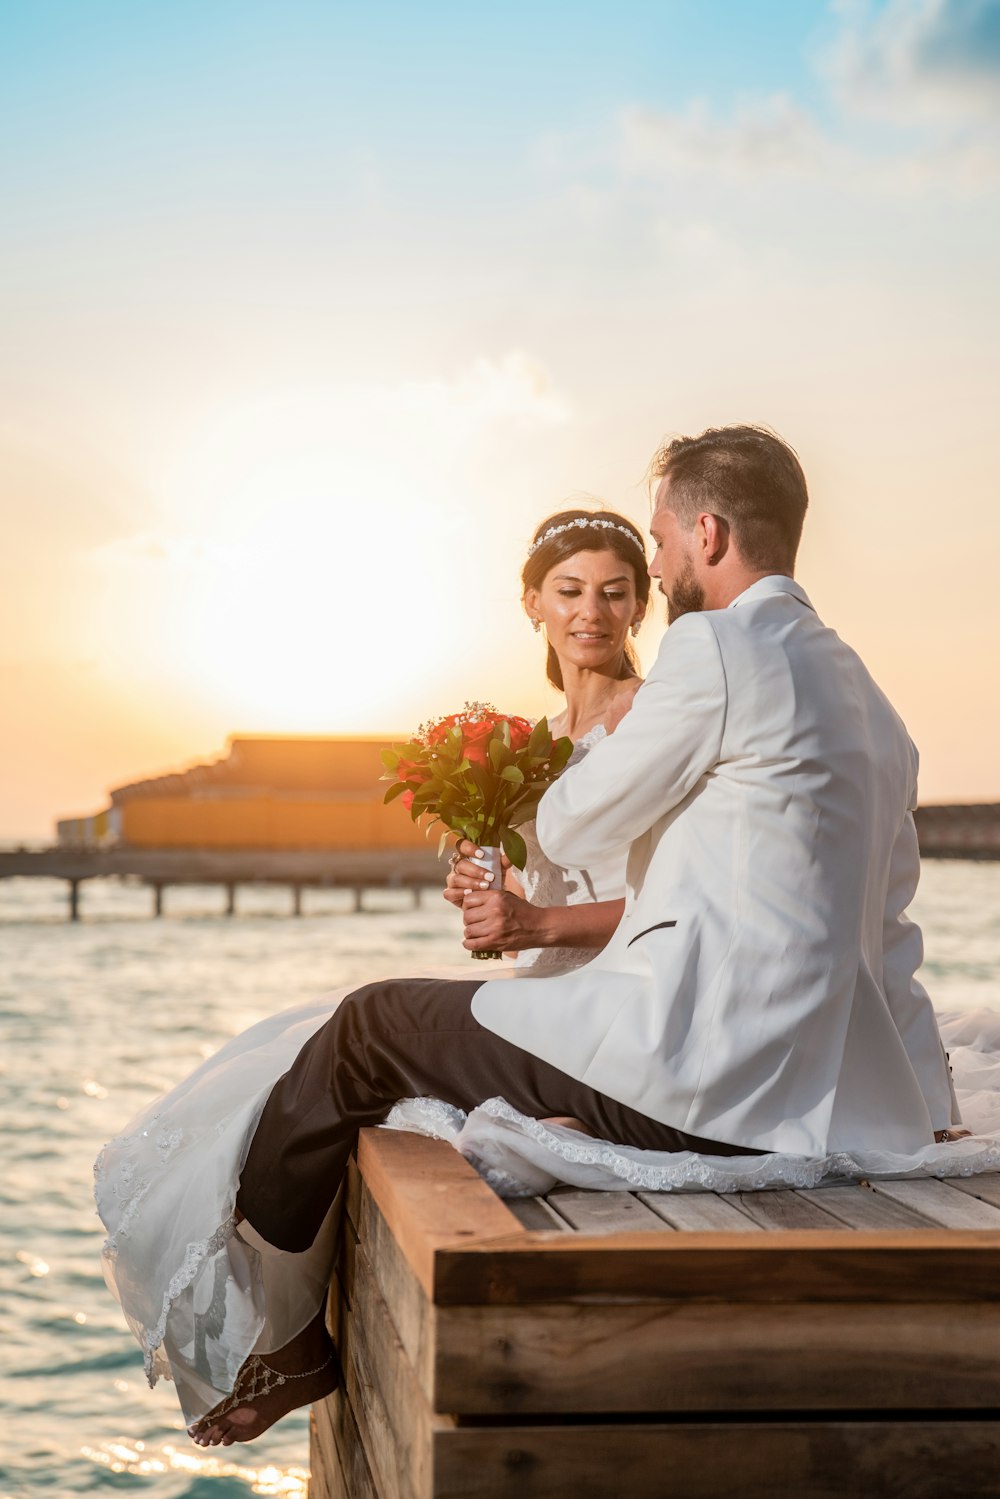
(643, 1390)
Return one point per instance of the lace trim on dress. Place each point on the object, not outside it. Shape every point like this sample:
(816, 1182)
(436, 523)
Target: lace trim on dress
(629, 1169)
(130, 1192)
(195, 1257)
(426, 1116)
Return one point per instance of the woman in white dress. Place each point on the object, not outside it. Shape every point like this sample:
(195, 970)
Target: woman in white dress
(237, 1324)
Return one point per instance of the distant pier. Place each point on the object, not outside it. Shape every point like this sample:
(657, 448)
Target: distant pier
(945, 832)
(296, 869)
(969, 831)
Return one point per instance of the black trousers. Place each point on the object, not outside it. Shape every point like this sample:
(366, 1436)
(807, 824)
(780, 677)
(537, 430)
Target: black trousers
(405, 1038)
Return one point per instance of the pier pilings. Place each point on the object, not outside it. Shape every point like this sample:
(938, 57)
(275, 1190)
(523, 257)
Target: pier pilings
(296, 869)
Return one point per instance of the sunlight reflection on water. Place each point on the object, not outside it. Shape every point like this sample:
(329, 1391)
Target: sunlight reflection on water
(137, 1460)
(94, 1019)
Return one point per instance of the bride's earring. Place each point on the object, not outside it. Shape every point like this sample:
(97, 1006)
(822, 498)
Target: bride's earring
(636, 628)
(536, 625)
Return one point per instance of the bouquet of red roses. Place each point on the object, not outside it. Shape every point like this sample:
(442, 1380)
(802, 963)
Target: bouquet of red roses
(479, 772)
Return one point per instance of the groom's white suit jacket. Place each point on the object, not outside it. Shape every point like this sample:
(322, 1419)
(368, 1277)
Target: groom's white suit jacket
(760, 988)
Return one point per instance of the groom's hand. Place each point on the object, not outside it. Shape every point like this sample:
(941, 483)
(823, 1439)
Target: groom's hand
(467, 873)
(497, 921)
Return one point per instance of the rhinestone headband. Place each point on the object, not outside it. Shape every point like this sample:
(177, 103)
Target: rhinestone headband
(585, 524)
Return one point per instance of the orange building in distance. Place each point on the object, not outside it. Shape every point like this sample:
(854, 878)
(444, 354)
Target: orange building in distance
(264, 793)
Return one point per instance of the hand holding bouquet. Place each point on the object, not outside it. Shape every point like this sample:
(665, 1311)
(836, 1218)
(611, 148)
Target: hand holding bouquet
(479, 773)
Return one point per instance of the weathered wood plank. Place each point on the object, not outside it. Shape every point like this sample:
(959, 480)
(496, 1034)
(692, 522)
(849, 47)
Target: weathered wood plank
(699, 1212)
(336, 1456)
(858, 1206)
(352, 1190)
(429, 1196)
(942, 1203)
(933, 1265)
(783, 1210)
(564, 1357)
(326, 1478)
(780, 1460)
(535, 1214)
(399, 1459)
(395, 1421)
(408, 1306)
(604, 1212)
(986, 1186)
(673, 1358)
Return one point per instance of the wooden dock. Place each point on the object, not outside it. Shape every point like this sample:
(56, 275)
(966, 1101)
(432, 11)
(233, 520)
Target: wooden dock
(298, 869)
(773, 1345)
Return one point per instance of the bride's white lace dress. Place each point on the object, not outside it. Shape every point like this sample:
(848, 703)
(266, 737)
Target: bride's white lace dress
(200, 1294)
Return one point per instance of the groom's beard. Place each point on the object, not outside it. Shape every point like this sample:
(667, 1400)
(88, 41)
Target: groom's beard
(686, 594)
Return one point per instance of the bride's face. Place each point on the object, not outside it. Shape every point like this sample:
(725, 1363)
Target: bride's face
(588, 605)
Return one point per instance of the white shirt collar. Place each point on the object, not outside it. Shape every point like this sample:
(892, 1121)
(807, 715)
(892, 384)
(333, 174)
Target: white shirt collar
(773, 583)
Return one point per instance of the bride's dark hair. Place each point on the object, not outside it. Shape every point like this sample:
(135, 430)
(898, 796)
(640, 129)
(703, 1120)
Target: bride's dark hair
(588, 537)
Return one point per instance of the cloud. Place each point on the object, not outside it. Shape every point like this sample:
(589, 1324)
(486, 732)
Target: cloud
(919, 60)
(515, 388)
(929, 69)
(771, 134)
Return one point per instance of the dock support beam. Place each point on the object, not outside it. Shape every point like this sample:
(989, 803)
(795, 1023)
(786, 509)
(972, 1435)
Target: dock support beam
(157, 899)
(417, 897)
(358, 902)
(296, 900)
(230, 900)
(74, 900)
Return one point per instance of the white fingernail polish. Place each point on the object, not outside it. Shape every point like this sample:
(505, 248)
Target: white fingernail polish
(484, 884)
(479, 854)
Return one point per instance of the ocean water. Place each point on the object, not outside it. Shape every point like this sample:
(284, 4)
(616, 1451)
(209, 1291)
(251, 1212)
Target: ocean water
(97, 1017)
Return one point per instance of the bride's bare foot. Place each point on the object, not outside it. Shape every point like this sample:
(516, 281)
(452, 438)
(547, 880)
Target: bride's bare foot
(269, 1386)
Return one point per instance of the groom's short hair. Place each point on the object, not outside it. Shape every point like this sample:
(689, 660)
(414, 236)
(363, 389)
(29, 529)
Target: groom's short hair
(750, 478)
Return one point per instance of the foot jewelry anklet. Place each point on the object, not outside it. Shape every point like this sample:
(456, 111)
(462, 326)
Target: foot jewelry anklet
(257, 1379)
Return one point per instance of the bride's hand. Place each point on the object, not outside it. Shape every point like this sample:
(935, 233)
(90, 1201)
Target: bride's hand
(496, 920)
(466, 873)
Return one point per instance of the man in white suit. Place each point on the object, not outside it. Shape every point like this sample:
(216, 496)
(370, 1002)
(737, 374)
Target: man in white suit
(760, 992)
(761, 986)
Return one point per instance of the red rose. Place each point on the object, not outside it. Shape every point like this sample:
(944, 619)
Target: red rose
(408, 770)
(520, 733)
(407, 799)
(475, 738)
(436, 734)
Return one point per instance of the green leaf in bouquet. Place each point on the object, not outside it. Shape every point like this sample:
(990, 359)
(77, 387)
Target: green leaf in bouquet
(390, 758)
(525, 806)
(502, 730)
(530, 763)
(540, 739)
(561, 751)
(514, 847)
(500, 755)
(512, 774)
(443, 841)
(481, 781)
(393, 792)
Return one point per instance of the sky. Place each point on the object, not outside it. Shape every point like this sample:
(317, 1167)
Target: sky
(309, 312)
